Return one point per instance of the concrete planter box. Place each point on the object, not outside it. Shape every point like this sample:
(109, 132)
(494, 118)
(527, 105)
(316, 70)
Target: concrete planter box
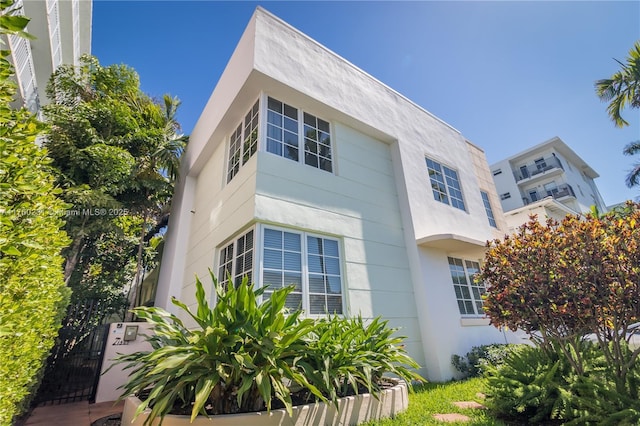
(353, 410)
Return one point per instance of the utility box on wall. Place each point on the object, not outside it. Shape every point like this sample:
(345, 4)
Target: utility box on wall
(124, 338)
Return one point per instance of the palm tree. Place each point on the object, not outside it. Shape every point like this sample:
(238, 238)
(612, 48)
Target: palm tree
(623, 87)
(633, 178)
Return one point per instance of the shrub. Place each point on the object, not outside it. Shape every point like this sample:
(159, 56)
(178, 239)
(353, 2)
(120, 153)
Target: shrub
(33, 296)
(343, 356)
(242, 355)
(537, 386)
(476, 361)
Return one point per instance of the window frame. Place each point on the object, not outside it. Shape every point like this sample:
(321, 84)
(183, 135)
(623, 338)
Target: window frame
(305, 267)
(470, 285)
(300, 134)
(488, 208)
(443, 189)
(225, 263)
(237, 143)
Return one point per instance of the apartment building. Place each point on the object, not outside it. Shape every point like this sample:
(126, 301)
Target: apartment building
(549, 180)
(305, 170)
(63, 33)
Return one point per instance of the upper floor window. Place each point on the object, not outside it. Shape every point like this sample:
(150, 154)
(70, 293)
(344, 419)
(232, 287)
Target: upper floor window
(243, 142)
(505, 196)
(497, 172)
(468, 292)
(445, 184)
(488, 209)
(292, 133)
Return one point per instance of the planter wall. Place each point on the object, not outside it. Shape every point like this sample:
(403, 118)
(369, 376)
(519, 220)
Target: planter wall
(353, 410)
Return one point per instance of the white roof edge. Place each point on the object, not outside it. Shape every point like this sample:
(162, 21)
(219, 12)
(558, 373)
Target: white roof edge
(286, 24)
(541, 203)
(455, 237)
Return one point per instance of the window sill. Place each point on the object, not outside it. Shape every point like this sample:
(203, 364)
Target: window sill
(474, 321)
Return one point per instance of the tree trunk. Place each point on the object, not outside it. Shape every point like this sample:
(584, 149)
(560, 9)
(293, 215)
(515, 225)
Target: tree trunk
(137, 280)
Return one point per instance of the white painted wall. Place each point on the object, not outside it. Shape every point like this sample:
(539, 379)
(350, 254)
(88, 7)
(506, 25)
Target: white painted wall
(360, 206)
(113, 376)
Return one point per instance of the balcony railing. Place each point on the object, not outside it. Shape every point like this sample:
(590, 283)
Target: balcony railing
(558, 192)
(540, 166)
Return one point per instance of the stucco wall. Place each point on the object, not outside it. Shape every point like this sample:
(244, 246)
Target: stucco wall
(359, 205)
(113, 376)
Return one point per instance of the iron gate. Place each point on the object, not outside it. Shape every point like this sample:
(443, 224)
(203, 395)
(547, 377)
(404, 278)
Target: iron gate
(73, 368)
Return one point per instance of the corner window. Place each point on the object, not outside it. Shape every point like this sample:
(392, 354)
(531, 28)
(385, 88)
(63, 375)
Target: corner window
(445, 184)
(468, 292)
(236, 260)
(488, 209)
(243, 142)
(298, 135)
(310, 263)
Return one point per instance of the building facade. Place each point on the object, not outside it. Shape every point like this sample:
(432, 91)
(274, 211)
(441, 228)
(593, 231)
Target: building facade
(305, 170)
(549, 180)
(63, 33)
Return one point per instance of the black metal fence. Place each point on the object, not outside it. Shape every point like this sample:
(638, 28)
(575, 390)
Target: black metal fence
(73, 368)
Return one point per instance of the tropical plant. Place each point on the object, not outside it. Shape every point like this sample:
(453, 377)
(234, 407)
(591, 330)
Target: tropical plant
(244, 356)
(117, 153)
(33, 296)
(344, 356)
(623, 87)
(237, 359)
(537, 386)
(633, 178)
(565, 280)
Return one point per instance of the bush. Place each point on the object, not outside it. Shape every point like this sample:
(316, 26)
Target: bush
(343, 356)
(538, 386)
(479, 358)
(242, 355)
(33, 296)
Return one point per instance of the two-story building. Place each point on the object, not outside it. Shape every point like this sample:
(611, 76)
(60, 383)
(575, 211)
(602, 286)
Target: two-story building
(548, 180)
(304, 170)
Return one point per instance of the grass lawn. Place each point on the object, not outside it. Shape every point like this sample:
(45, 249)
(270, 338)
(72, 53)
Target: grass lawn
(437, 398)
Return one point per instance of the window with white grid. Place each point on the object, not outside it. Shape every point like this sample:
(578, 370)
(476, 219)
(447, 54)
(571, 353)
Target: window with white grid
(468, 292)
(310, 263)
(243, 142)
(298, 135)
(236, 260)
(488, 209)
(445, 184)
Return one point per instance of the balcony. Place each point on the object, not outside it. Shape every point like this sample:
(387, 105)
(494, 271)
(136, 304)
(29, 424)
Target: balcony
(541, 166)
(558, 192)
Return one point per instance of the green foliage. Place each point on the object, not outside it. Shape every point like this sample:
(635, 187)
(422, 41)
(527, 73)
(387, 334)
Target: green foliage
(479, 358)
(116, 151)
(345, 355)
(537, 386)
(566, 280)
(242, 355)
(32, 292)
(623, 87)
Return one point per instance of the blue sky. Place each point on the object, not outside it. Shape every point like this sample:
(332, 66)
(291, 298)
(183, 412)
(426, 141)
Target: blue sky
(508, 75)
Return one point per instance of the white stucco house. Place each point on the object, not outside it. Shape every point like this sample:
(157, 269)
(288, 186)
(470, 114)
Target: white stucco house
(548, 180)
(305, 170)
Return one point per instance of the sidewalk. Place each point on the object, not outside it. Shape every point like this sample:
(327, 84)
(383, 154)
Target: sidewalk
(73, 414)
